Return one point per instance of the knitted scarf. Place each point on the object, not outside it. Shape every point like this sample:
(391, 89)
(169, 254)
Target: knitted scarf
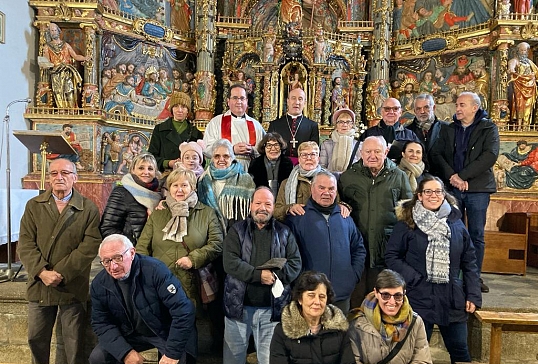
(176, 228)
(197, 172)
(343, 147)
(141, 192)
(291, 184)
(413, 171)
(433, 224)
(391, 328)
(234, 200)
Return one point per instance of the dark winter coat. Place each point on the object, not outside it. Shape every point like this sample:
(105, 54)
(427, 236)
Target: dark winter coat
(159, 299)
(308, 131)
(395, 135)
(435, 303)
(259, 173)
(292, 343)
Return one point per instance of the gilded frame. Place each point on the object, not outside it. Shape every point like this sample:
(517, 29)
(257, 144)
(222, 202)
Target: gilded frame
(2, 28)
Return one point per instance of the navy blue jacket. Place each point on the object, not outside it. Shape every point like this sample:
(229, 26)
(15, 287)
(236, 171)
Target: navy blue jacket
(436, 303)
(480, 155)
(159, 299)
(333, 247)
(240, 272)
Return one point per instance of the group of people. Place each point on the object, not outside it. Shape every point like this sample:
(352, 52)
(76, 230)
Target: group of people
(299, 234)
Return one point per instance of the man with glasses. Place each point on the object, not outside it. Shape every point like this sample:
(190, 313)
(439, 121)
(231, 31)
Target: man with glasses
(294, 127)
(373, 186)
(390, 129)
(464, 155)
(425, 125)
(137, 305)
(59, 238)
(243, 131)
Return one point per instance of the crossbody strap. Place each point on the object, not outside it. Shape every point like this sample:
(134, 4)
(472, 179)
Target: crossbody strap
(399, 346)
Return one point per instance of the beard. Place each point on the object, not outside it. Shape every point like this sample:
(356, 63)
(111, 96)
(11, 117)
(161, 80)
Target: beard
(261, 217)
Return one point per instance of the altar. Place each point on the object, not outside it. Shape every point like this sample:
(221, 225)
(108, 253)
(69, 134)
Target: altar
(19, 198)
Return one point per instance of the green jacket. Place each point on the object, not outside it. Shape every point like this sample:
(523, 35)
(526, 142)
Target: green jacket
(66, 243)
(204, 239)
(373, 200)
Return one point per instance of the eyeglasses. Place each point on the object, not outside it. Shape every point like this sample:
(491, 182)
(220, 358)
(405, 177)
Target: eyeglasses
(193, 158)
(238, 98)
(430, 192)
(116, 259)
(398, 297)
(308, 155)
(391, 108)
(64, 174)
(275, 146)
(223, 156)
(344, 122)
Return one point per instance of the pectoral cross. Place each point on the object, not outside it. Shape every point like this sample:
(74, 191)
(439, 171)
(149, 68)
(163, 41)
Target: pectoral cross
(294, 142)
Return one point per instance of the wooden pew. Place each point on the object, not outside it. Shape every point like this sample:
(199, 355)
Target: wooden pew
(506, 321)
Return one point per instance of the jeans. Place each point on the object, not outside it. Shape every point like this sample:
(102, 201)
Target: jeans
(474, 205)
(255, 321)
(41, 321)
(455, 339)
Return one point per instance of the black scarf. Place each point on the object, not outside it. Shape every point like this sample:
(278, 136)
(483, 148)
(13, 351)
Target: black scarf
(152, 186)
(324, 210)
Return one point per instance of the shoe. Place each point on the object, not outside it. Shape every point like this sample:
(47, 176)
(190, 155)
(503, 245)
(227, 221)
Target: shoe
(483, 287)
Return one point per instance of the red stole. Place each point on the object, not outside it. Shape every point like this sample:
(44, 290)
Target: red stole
(226, 129)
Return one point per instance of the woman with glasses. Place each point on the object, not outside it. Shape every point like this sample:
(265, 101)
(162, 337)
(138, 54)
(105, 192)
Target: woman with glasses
(385, 329)
(335, 154)
(412, 162)
(294, 191)
(271, 167)
(431, 248)
(225, 186)
(311, 330)
(130, 203)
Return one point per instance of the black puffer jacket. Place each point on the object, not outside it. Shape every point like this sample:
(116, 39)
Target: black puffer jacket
(292, 342)
(123, 215)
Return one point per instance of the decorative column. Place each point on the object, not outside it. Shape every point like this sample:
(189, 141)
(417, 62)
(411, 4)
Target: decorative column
(327, 108)
(90, 90)
(318, 101)
(44, 92)
(205, 93)
(257, 100)
(500, 110)
(266, 97)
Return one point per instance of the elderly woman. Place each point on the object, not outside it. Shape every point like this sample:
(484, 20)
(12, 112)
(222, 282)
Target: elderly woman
(294, 192)
(130, 203)
(192, 157)
(385, 329)
(271, 167)
(185, 235)
(412, 162)
(336, 151)
(224, 186)
(167, 136)
(432, 250)
(311, 329)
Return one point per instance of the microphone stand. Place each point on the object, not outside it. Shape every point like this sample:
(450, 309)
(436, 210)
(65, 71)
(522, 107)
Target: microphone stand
(9, 271)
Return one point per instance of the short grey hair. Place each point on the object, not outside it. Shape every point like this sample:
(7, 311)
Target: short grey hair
(127, 244)
(428, 97)
(473, 95)
(222, 143)
(323, 172)
(379, 138)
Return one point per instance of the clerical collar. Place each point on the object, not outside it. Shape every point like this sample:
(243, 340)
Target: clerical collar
(294, 116)
(238, 117)
(65, 199)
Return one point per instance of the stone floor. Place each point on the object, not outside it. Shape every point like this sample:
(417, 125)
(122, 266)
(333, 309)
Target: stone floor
(507, 292)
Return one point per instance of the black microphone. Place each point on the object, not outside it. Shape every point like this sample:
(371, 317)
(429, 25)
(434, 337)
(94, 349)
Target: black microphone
(27, 100)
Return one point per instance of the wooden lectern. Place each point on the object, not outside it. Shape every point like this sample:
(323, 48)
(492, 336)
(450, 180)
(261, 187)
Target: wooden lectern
(44, 142)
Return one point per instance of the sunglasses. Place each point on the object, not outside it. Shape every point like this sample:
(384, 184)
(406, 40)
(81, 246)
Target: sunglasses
(398, 297)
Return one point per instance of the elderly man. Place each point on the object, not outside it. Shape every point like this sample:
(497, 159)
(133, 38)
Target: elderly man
(373, 186)
(59, 238)
(137, 305)
(425, 125)
(390, 128)
(294, 127)
(329, 243)
(251, 305)
(465, 154)
(243, 131)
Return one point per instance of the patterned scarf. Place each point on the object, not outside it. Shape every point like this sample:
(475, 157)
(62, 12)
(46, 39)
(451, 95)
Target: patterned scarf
(343, 147)
(413, 171)
(176, 228)
(433, 224)
(234, 200)
(141, 191)
(197, 172)
(391, 328)
(293, 180)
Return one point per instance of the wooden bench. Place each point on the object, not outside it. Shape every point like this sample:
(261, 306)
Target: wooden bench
(506, 321)
(506, 249)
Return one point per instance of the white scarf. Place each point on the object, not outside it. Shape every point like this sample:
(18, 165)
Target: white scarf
(343, 147)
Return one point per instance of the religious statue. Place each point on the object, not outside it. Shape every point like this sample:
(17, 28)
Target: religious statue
(134, 147)
(291, 11)
(320, 51)
(339, 95)
(112, 149)
(294, 81)
(523, 74)
(480, 84)
(59, 59)
(504, 6)
(522, 7)
(269, 46)
(123, 96)
(180, 15)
